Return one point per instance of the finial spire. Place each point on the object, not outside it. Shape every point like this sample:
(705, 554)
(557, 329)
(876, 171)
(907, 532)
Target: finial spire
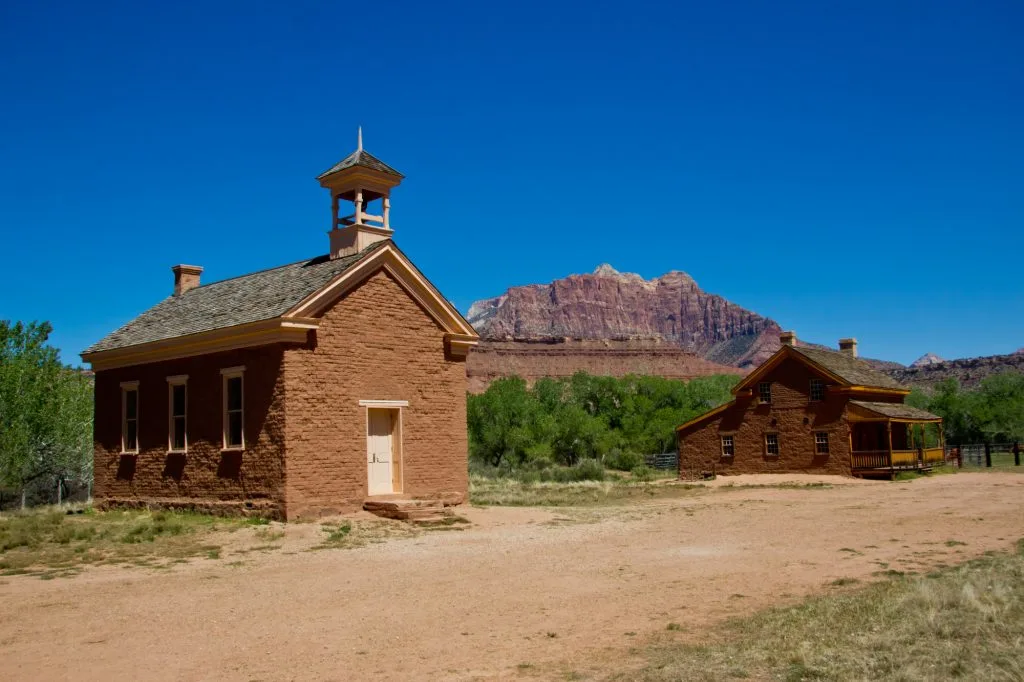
(360, 147)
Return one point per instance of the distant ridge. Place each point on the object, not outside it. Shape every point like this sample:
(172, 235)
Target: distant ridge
(611, 305)
(927, 359)
(968, 371)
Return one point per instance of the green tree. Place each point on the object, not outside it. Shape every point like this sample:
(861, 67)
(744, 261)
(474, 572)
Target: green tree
(45, 411)
(501, 422)
(998, 407)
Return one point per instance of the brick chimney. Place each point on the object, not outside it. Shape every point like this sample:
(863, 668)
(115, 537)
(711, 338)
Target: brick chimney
(848, 347)
(788, 338)
(185, 277)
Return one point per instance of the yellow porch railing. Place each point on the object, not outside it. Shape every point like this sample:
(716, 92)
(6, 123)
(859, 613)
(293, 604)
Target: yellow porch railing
(904, 458)
(897, 459)
(871, 459)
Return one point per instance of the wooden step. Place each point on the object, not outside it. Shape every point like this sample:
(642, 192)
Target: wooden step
(406, 509)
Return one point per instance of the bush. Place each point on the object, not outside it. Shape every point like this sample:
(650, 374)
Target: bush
(623, 461)
(642, 473)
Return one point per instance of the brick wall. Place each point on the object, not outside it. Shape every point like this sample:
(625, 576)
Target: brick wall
(205, 478)
(377, 343)
(790, 414)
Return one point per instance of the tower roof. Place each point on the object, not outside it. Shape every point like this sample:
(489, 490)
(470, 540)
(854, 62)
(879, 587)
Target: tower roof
(360, 157)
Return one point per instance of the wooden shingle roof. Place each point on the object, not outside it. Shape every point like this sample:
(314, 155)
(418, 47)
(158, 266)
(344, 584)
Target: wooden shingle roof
(896, 410)
(363, 158)
(850, 369)
(254, 297)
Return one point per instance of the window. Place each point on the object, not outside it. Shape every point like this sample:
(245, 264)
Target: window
(234, 408)
(727, 446)
(771, 444)
(130, 417)
(817, 389)
(177, 403)
(764, 391)
(821, 442)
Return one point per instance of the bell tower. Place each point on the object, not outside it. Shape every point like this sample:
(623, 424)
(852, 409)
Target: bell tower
(359, 178)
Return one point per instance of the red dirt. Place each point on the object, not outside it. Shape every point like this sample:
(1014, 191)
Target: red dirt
(520, 587)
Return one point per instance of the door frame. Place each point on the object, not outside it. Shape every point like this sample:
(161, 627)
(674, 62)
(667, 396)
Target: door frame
(397, 408)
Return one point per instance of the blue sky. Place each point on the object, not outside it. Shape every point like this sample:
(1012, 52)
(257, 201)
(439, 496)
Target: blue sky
(846, 168)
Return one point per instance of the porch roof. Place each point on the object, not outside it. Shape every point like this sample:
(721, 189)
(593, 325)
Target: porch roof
(897, 411)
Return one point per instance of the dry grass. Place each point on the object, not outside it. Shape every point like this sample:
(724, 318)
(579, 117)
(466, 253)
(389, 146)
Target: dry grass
(963, 622)
(350, 533)
(512, 493)
(52, 543)
(509, 492)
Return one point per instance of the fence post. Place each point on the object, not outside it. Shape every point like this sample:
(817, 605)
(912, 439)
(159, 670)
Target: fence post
(988, 455)
(1016, 454)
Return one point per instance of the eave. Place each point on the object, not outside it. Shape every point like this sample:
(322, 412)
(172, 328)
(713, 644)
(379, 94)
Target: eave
(263, 332)
(775, 360)
(706, 415)
(873, 390)
(401, 269)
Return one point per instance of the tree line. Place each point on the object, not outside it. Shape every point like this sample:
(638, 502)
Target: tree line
(45, 417)
(993, 412)
(563, 422)
(613, 422)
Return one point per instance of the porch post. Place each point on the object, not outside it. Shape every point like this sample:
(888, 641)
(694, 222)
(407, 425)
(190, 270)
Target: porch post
(942, 442)
(888, 428)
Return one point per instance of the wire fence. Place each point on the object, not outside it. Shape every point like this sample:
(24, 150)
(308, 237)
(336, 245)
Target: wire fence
(984, 455)
(664, 460)
(45, 491)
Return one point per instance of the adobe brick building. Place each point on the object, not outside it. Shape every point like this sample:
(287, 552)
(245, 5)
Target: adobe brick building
(293, 392)
(810, 410)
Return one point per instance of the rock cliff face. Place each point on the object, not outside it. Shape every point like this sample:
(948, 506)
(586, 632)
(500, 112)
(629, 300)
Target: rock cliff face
(927, 359)
(968, 371)
(608, 304)
(532, 360)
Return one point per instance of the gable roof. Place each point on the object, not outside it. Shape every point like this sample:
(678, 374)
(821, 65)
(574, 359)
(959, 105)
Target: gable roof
(840, 367)
(250, 298)
(271, 306)
(851, 370)
(362, 158)
(896, 410)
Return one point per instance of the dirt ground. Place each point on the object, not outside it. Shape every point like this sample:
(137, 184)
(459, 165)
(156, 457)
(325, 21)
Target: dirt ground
(522, 593)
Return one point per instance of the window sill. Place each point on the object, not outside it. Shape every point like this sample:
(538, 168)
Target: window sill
(133, 453)
(177, 452)
(235, 449)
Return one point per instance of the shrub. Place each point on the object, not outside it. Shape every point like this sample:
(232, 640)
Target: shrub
(642, 473)
(623, 461)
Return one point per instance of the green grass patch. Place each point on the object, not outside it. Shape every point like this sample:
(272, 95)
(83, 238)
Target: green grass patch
(514, 493)
(348, 534)
(52, 543)
(964, 622)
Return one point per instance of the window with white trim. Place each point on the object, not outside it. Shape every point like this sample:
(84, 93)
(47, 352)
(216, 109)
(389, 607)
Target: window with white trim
(771, 444)
(234, 408)
(130, 417)
(177, 413)
(764, 391)
(817, 389)
(821, 442)
(727, 446)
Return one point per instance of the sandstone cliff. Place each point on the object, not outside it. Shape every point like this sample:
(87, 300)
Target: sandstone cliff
(563, 357)
(968, 371)
(927, 359)
(608, 304)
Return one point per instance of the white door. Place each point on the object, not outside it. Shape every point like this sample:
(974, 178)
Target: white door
(379, 452)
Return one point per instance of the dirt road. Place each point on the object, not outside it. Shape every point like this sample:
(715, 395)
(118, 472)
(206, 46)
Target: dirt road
(523, 593)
